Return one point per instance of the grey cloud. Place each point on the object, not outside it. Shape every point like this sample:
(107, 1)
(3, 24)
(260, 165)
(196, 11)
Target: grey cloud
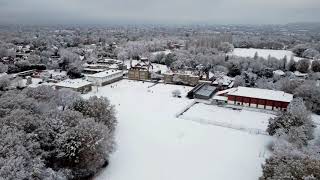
(165, 11)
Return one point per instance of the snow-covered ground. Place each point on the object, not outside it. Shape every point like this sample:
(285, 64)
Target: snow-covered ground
(154, 145)
(279, 54)
(242, 119)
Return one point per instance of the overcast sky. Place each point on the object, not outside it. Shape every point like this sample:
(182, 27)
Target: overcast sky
(158, 11)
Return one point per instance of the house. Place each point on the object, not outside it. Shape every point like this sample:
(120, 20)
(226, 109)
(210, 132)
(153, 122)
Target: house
(78, 85)
(141, 71)
(181, 78)
(258, 98)
(138, 73)
(105, 77)
(26, 73)
(223, 82)
(278, 73)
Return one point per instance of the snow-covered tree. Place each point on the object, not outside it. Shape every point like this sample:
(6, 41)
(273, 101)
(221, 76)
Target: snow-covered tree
(225, 47)
(295, 122)
(291, 65)
(85, 148)
(4, 82)
(34, 59)
(99, 109)
(287, 85)
(300, 49)
(256, 56)
(3, 68)
(54, 143)
(239, 81)
(310, 93)
(291, 162)
(303, 65)
(66, 97)
(310, 53)
(264, 83)
(41, 93)
(315, 66)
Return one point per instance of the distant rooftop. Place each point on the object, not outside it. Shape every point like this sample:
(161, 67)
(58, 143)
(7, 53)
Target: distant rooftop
(104, 73)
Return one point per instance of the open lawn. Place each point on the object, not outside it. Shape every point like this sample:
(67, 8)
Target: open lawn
(154, 145)
(279, 54)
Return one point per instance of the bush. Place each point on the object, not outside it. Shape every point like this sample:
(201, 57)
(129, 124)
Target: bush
(303, 65)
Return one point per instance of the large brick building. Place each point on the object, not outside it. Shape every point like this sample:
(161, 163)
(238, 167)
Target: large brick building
(180, 78)
(259, 98)
(138, 73)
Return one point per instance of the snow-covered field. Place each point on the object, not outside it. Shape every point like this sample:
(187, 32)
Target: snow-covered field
(279, 54)
(241, 119)
(154, 145)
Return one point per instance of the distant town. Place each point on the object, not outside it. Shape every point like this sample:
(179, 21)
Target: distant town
(123, 102)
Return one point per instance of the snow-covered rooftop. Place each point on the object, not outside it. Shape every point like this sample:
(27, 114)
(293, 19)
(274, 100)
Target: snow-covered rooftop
(96, 65)
(224, 80)
(73, 83)
(279, 72)
(206, 90)
(261, 94)
(93, 70)
(166, 52)
(104, 73)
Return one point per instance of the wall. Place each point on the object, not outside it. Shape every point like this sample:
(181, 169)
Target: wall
(258, 103)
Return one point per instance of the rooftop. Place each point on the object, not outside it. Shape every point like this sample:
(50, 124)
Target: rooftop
(279, 72)
(93, 70)
(73, 83)
(206, 90)
(224, 80)
(104, 73)
(261, 94)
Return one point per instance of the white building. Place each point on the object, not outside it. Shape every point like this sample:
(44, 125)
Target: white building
(105, 77)
(79, 85)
